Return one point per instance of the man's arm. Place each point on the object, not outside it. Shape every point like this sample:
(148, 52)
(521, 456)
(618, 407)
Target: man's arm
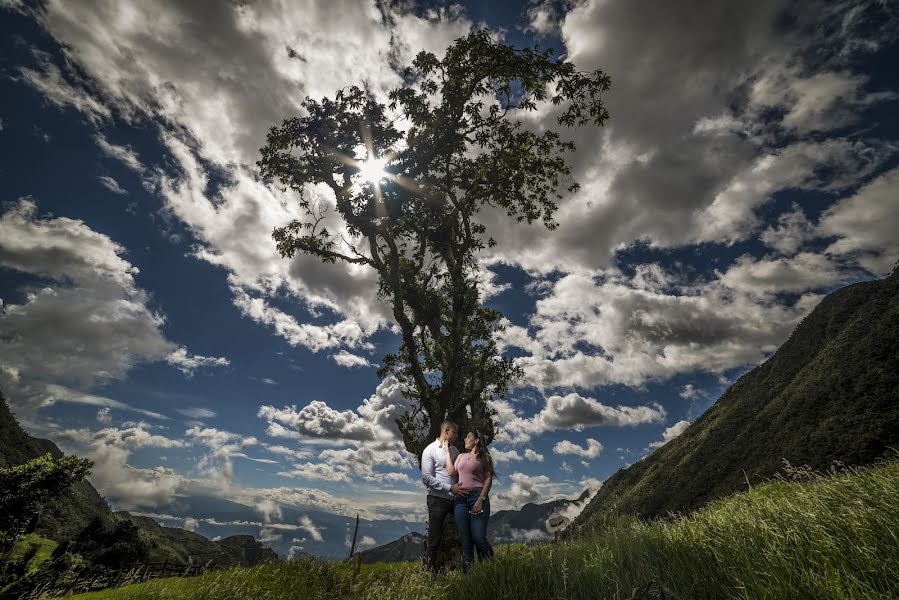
(428, 466)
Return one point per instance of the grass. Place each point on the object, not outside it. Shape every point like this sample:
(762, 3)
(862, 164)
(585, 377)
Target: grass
(31, 548)
(835, 537)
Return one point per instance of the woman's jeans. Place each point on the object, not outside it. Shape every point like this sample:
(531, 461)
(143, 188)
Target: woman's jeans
(472, 528)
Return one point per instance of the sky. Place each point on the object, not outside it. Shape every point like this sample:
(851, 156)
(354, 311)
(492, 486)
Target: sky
(749, 167)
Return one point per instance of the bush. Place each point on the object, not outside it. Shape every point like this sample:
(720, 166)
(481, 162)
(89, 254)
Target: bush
(23, 488)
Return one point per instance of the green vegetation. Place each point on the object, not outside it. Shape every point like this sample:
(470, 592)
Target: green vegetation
(831, 392)
(24, 488)
(823, 537)
(25, 558)
(59, 518)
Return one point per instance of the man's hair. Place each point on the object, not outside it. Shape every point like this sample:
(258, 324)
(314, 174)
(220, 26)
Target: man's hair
(447, 423)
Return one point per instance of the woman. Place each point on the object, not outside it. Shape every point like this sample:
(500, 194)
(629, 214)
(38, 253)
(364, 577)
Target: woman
(474, 469)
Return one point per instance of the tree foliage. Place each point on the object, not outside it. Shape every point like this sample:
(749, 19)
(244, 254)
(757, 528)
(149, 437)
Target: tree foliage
(454, 144)
(23, 488)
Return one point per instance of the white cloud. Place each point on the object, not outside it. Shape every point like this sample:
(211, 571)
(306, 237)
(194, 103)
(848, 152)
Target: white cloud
(592, 449)
(348, 359)
(606, 328)
(211, 120)
(58, 89)
(317, 472)
(285, 451)
(366, 542)
(195, 412)
(533, 456)
(191, 524)
(524, 489)
(269, 510)
(689, 392)
(670, 433)
(501, 456)
(112, 185)
(223, 446)
(370, 423)
(103, 416)
(188, 363)
(790, 233)
(307, 525)
(124, 154)
(576, 412)
(127, 486)
(87, 323)
(866, 223)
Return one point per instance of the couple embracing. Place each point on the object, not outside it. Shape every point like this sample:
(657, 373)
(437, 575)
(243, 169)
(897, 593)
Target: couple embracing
(458, 483)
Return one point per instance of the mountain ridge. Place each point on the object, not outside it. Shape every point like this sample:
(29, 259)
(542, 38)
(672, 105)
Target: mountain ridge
(829, 393)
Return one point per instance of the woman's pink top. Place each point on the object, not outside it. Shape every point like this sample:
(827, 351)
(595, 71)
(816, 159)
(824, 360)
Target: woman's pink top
(471, 472)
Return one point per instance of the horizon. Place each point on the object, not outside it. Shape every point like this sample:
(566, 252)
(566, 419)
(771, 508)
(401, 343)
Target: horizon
(749, 167)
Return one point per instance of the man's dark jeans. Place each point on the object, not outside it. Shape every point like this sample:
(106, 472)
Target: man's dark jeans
(438, 509)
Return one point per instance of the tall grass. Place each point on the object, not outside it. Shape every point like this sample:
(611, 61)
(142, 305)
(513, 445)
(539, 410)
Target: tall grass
(835, 537)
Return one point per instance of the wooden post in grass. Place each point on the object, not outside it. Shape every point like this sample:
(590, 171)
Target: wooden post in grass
(355, 533)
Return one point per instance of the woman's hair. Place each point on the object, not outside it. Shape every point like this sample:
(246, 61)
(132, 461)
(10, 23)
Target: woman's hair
(483, 453)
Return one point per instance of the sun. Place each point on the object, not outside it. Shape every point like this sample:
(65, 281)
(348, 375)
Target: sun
(373, 169)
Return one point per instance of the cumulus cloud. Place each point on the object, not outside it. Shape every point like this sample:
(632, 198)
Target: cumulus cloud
(371, 423)
(128, 487)
(865, 224)
(689, 392)
(211, 121)
(670, 433)
(223, 446)
(501, 456)
(533, 456)
(366, 542)
(348, 359)
(86, 323)
(592, 449)
(191, 524)
(607, 328)
(188, 363)
(524, 489)
(570, 412)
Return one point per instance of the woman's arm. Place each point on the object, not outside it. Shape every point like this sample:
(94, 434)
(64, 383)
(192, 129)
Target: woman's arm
(450, 467)
(488, 483)
(479, 503)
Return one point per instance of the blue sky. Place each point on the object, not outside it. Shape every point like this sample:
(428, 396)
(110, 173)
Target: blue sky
(749, 167)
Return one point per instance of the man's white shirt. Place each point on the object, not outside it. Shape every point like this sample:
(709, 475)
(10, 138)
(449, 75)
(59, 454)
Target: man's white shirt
(433, 469)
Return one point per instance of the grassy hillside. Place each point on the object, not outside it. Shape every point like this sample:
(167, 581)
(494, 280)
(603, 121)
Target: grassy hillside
(831, 392)
(834, 537)
(61, 518)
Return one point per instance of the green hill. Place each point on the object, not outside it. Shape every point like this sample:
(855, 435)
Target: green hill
(830, 538)
(63, 518)
(830, 393)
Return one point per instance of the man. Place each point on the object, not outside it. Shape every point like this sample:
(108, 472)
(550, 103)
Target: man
(441, 487)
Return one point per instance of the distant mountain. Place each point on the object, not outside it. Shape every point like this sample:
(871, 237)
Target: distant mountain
(219, 517)
(62, 518)
(527, 524)
(830, 393)
(171, 544)
(408, 548)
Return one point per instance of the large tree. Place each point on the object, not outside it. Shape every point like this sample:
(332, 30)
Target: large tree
(409, 179)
